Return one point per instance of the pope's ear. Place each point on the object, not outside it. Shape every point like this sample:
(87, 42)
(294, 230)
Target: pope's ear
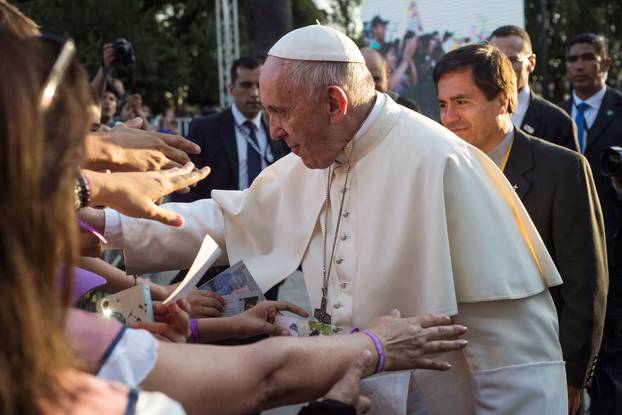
(337, 104)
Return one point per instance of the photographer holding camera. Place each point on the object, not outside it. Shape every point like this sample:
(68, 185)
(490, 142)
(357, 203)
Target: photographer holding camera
(120, 52)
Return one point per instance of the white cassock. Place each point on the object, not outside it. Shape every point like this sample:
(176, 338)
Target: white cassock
(429, 225)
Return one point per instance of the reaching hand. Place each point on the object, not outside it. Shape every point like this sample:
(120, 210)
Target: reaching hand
(574, 399)
(409, 341)
(127, 148)
(172, 322)
(134, 194)
(347, 389)
(260, 319)
(202, 303)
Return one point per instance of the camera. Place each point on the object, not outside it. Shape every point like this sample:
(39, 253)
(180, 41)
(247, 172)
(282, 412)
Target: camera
(612, 161)
(123, 52)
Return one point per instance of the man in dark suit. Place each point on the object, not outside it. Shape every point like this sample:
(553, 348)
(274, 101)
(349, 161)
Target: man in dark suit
(534, 115)
(235, 143)
(597, 111)
(477, 95)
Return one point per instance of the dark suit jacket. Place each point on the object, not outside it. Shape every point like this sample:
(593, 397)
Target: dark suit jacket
(215, 134)
(605, 132)
(557, 189)
(549, 122)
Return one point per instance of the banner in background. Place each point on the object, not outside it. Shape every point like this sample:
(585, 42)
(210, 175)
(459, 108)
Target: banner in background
(414, 34)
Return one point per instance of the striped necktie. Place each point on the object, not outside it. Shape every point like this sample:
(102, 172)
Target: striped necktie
(253, 159)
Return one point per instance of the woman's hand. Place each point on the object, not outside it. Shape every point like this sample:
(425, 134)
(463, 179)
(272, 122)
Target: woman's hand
(260, 319)
(347, 389)
(410, 342)
(172, 322)
(127, 148)
(202, 303)
(134, 194)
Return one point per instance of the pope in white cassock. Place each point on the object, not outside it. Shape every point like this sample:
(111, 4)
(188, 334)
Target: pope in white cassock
(385, 209)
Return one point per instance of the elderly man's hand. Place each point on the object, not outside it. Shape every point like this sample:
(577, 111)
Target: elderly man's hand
(347, 389)
(134, 194)
(127, 148)
(409, 342)
(172, 322)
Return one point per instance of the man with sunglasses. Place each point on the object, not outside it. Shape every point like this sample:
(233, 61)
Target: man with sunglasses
(534, 115)
(597, 110)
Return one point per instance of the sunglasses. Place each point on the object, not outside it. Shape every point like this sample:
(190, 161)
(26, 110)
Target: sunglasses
(66, 54)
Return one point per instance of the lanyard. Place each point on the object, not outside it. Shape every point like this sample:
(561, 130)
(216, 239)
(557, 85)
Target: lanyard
(507, 156)
(250, 142)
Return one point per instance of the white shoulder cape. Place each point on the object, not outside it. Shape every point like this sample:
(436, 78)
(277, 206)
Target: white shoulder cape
(437, 220)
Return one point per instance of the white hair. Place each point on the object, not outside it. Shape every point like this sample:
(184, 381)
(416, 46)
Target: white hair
(313, 77)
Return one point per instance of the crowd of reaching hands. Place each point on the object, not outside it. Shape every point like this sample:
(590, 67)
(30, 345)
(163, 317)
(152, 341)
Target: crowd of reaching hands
(61, 360)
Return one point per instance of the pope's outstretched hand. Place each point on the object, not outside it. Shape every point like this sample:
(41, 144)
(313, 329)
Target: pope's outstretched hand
(409, 343)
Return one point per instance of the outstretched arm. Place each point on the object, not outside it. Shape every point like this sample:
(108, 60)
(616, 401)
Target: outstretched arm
(281, 371)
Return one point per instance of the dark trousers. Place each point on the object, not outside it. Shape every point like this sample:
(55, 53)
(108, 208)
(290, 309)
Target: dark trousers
(606, 390)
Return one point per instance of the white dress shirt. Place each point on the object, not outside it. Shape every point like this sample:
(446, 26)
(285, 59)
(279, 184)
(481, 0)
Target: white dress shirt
(242, 144)
(524, 97)
(590, 113)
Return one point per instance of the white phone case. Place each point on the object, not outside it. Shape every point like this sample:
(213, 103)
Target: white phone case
(132, 305)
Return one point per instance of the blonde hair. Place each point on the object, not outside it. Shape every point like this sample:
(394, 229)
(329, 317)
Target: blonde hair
(15, 21)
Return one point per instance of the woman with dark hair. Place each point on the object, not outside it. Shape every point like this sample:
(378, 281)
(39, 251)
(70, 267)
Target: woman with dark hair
(43, 122)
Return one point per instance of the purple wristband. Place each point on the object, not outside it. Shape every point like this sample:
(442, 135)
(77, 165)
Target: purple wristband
(379, 349)
(86, 183)
(194, 329)
(83, 225)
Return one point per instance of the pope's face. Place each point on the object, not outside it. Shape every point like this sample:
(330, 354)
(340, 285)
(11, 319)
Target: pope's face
(467, 112)
(297, 118)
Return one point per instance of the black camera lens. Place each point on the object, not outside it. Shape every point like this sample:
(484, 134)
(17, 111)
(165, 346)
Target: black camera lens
(123, 52)
(612, 161)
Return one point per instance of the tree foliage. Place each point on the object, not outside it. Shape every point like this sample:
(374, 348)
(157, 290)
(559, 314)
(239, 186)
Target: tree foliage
(562, 20)
(175, 41)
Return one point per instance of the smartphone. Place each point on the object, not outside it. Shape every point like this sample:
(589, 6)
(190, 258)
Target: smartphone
(129, 306)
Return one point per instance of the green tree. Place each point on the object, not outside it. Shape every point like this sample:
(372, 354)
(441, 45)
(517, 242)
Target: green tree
(551, 23)
(175, 42)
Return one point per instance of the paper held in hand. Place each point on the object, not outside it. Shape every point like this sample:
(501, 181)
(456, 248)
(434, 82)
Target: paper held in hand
(237, 287)
(208, 254)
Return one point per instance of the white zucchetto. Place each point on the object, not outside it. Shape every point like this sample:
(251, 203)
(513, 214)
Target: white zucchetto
(317, 43)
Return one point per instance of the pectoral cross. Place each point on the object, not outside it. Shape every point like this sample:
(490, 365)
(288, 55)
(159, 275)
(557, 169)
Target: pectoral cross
(320, 313)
